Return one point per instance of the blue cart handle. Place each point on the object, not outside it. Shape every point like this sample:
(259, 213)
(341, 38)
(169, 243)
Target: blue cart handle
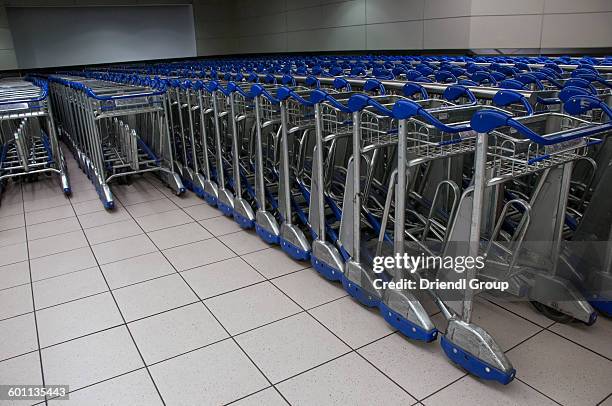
(410, 89)
(258, 90)
(580, 104)
(405, 109)
(486, 121)
(454, 92)
(507, 97)
(358, 102)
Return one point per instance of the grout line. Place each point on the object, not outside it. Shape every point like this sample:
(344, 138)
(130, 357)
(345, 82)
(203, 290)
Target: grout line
(577, 343)
(123, 318)
(444, 387)
(213, 315)
(535, 389)
(42, 372)
(604, 399)
(246, 396)
(102, 381)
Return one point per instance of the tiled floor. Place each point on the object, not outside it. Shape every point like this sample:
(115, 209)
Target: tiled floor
(164, 301)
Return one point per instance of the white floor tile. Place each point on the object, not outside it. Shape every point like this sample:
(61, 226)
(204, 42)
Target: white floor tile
(137, 269)
(12, 236)
(290, 346)
(561, 369)
(17, 336)
(523, 309)
(23, 370)
(89, 206)
(100, 218)
(220, 225)
(84, 194)
(429, 369)
(114, 231)
(202, 211)
(175, 332)
(268, 397)
(162, 220)
(137, 192)
(154, 296)
(11, 254)
(152, 207)
(54, 245)
(15, 301)
(55, 213)
(122, 249)
(68, 287)
(51, 228)
(46, 202)
(9, 222)
(198, 254)
(221, 277)
(77, 318)
(11, 209)
(14, 275)
(348, 380)
(470, 391)
(213, 375)
(271, 262)
(244, 242)
(179, 235)
(90, 359)
(308, 288)
(353, 323)
(251, 307)
(133, 389)
(597, 337)
(185, 200)
(62, 263)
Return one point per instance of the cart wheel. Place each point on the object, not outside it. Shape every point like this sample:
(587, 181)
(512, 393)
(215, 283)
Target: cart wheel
(552, 313)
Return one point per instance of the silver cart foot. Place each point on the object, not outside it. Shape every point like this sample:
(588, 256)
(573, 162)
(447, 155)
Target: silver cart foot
(65, 183)
(294, 242)
(326, 260)
(198, 185)
(404, 312)
(174, 182)
(106, 196)
(225, 203)
(358, 283)
(243, 213)
(473, 349)
(267, 227)
(211, 193)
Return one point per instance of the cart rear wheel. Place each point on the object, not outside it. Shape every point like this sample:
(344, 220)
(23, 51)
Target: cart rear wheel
(552, 313)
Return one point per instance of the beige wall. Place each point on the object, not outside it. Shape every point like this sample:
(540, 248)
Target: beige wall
(8, 59)
(253, 26)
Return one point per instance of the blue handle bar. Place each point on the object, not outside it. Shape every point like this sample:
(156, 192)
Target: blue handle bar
(486, 121)
(454, 92)
(506, 97)
(258, 90)
(358, 102)
(405, 109)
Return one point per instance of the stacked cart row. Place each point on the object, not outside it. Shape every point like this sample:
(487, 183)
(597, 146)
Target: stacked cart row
(342, 161)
